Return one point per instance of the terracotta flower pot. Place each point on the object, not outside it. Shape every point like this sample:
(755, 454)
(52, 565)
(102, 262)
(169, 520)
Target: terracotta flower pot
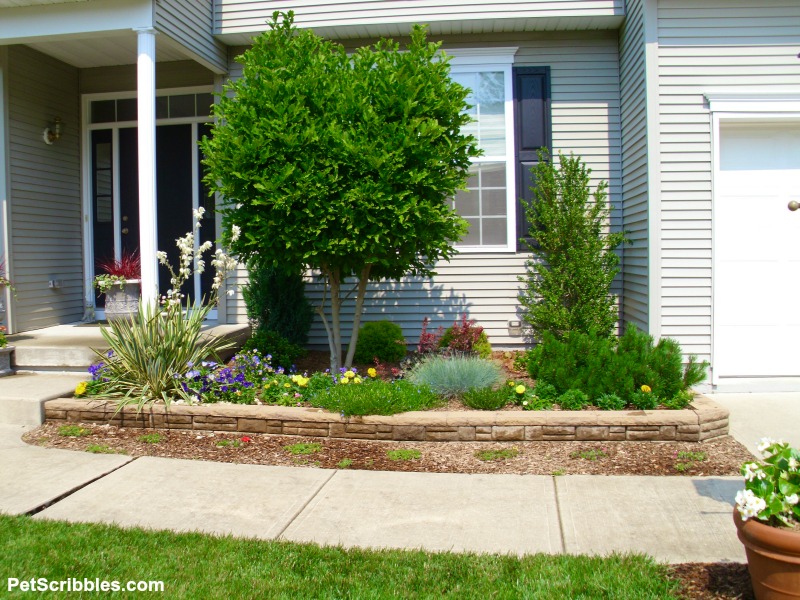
(773, 558)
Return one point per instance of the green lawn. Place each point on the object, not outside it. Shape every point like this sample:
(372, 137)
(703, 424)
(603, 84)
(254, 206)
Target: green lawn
(202, 566)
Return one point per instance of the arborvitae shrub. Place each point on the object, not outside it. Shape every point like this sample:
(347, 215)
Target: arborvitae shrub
(382, 340)
(276, 301)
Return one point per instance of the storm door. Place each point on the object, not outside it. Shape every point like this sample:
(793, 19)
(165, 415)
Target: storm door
(115, 196)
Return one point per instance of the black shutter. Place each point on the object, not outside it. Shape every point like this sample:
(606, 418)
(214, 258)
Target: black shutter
(531, 133)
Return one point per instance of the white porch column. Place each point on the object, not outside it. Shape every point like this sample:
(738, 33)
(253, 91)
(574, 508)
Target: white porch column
(146, 103)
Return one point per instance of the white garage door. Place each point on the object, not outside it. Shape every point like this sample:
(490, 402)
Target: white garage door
(757, 252)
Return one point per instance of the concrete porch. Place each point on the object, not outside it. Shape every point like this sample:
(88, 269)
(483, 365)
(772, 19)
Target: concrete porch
(71, 347)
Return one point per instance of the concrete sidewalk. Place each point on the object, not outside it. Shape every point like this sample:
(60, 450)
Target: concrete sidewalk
(674, 519)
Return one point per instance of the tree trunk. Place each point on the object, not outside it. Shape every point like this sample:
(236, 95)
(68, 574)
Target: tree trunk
(360, 294)
(335, 340)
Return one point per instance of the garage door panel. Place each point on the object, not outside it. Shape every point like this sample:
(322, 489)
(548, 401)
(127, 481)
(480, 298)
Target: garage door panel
(757, 252)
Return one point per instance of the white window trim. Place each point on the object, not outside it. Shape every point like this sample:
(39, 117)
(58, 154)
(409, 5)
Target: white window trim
(468, 60)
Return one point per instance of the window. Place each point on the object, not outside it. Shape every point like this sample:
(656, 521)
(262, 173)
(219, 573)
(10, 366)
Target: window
(488, 203)
(511, 108)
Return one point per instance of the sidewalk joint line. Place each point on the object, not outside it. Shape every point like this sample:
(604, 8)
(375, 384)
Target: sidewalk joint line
(305, 504)
(559, 516)
(69, 493)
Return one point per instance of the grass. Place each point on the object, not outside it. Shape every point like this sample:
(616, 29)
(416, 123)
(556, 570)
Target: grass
(303, 448)
(687, 460)
(73, 431)
(103, 449)
(151, 438)
(490, 455)
(345, 463)
(403, 454)
(455, 376)
(229, 443)
(375, 397)
(194, 565)
(588, 454)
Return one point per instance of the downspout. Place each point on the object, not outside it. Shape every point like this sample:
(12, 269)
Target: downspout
(650, 16)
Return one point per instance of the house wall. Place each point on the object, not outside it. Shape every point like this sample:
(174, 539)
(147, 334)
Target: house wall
(635, 184)
(191, 23)
(45, 201)
(586, 120)
(717, 46)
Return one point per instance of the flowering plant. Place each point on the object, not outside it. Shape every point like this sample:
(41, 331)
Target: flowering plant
(4, 280)
(772, 486)
(127, 267)
(3, 340)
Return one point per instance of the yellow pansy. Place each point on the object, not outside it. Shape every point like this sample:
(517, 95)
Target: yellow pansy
(520, 389)
(349, 374)
(80, 389)
(344, 380)
(646, 389)
(372, 372)
(357, 380)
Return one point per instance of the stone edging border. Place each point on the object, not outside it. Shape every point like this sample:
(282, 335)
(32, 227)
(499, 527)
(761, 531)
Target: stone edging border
(704, 420)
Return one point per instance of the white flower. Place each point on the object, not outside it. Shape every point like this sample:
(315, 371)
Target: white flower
(748, 504)
(793, 463)
(236, 231)
(793, 499)
(765, 443)
(198, 214)
(753, 471)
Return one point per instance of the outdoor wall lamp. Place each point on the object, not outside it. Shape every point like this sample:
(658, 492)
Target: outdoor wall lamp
(53, 133)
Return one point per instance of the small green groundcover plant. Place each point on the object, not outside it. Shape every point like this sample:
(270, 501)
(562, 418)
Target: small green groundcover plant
(403, 454)
(610, 373)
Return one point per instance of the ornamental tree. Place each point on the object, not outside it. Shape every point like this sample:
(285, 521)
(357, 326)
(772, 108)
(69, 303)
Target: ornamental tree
(341, 164)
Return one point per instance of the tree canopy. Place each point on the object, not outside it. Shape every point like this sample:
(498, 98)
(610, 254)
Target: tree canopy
(341, 163)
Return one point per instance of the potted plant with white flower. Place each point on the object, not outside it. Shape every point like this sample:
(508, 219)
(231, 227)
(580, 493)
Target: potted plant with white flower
(120, 283)
(767, 517)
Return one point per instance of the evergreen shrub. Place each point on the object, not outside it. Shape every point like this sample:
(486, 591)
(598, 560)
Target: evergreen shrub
(599, 365)
(382, 340)
(276, 301)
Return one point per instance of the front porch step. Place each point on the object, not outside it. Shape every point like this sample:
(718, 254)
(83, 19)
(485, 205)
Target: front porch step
(71, 348)
(22, 396)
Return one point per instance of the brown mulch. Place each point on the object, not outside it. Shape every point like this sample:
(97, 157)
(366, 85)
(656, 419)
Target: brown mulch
(722, 457)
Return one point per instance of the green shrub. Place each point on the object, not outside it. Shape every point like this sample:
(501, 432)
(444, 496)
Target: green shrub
(466, 336)
(382, 340)
(452, 377)
(485, 398)
(271, 343)
(609, 402)
(573, 400)
(545, 391)
(568, 280)
(276, 301)
(598, 365)
(374, 397)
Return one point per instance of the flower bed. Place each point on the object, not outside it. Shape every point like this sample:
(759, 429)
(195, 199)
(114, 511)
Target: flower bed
(703, 420)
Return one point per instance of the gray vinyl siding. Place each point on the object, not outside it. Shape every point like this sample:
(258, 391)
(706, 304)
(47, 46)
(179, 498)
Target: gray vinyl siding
(635, 188)
(586, 120)
(191, 24)
(45, 201)
(175, 74)
(714, 46)
(248, 16)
